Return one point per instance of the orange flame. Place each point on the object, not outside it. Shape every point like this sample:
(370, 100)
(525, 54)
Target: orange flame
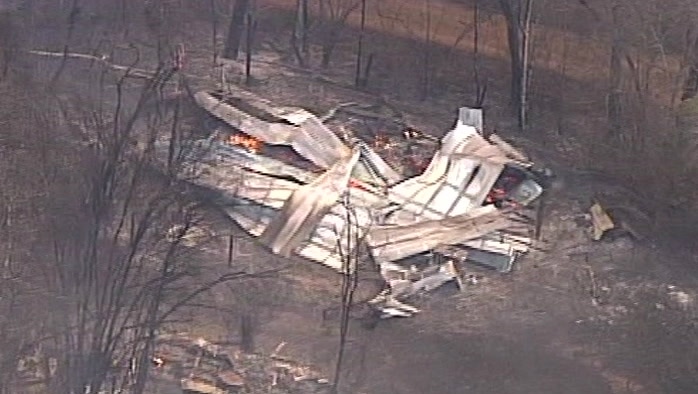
(252, 144)
(356, 184)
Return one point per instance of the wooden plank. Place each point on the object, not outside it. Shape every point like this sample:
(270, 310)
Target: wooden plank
(509, 150)
(600, 220)
(396, 242)
(305, 208)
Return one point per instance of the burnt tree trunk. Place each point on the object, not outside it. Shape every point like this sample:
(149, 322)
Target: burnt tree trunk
(333, 17)
(518, 17)
(615, 76)
(690, 87)
(479, 88)
(214, 31)
(236, 29)
(328, 46)
(248, 49)
(426, 71)
(247, 328)
(560, 104)
(515, 40)
(299, 38)
(359, 50)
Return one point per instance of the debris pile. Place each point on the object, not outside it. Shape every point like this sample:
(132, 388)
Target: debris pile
(205, 368)
(470, 202)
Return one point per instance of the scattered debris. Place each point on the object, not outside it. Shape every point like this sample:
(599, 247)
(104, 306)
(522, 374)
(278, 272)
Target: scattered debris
(472, 279)
(188, 236)
(593, 287)
(199, 386)
(200, 370)
(231, 380)
(332, 193)
(680, 298)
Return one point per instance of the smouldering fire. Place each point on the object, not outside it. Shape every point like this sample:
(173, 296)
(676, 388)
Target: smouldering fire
(381, 141)
(252, 144)
(357, 184)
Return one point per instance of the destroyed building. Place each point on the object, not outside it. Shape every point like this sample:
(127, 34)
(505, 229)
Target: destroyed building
(329, 194)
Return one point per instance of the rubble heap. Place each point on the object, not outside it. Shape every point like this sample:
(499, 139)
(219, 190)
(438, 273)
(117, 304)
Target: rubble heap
(468, 202)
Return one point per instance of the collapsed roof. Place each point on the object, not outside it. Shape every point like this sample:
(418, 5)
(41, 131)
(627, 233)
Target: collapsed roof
(466, 201)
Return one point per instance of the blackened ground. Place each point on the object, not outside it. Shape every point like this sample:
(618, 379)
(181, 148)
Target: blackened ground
(400, 357)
